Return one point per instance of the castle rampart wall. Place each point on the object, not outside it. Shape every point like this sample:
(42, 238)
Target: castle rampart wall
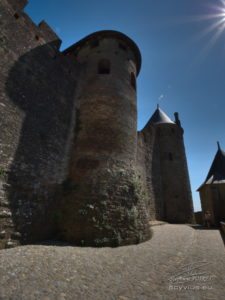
(71, 159)
(37, 118)
(151, 164)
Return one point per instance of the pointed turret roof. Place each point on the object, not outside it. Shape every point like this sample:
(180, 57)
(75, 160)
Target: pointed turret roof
(216, 173)
(159, 117)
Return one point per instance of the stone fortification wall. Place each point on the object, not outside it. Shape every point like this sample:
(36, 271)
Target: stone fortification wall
(104, 203)
(174, 173)
(212, 200)
(36, 124)
(149, 163)
(71, 159)
(199, 218)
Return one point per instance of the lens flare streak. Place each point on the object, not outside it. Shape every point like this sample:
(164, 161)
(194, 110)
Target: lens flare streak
(216, 27)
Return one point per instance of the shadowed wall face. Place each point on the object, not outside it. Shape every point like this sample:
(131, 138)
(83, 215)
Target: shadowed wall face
(213, 200)
(163, 163)
(178, 206)
(69, 158)
(36, 120)
(148, 159)
(105, 206)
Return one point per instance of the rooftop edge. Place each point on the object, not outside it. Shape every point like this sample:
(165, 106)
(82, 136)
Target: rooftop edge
(108, 33)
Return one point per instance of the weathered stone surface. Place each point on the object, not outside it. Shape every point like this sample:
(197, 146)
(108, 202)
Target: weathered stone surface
(72, 163)
(167, 173)
(5, 214)
(106, 204)
(37, 119)
(2, 234)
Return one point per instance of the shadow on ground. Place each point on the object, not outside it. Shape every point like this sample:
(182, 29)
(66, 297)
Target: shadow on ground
(201, 227)
(222, 236)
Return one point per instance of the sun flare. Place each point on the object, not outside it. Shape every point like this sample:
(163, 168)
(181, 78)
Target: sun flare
(216, 25)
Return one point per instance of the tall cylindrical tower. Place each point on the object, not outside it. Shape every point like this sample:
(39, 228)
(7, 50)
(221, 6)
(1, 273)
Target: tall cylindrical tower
(178, 206)
(169, 170)
(103, 197)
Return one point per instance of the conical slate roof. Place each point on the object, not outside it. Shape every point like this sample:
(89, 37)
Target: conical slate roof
(159, 117)
(216, 173)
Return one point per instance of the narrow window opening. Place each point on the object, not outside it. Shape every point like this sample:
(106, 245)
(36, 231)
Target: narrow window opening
(37, 37)
(159, 131)
(104, 66)
(94, 43)
(16, 16)
(172, 130)
(170, 156)
(122, 46)
(133, 80)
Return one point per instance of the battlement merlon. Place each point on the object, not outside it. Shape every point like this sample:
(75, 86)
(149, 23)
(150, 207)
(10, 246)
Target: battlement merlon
(48, 34)
(42, 29)
(18, 4)
(98, 35)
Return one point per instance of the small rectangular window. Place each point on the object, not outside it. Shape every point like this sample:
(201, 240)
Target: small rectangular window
(104, 66)
(16, 16)
(170, 156)
(133, 80)
(122, 46)
(94, 43)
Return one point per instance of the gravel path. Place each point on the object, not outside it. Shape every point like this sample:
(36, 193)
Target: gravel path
(179, 262)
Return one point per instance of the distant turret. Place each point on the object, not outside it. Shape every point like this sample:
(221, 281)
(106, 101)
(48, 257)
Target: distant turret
(212, 191)
(175, 201)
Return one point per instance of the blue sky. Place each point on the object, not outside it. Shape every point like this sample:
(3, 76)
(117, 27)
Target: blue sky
(182, 43)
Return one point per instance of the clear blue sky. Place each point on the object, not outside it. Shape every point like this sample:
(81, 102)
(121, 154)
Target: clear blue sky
(182, 43)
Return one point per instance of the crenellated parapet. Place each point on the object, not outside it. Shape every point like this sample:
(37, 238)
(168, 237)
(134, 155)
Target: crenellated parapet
(18, 5)
(42, 33)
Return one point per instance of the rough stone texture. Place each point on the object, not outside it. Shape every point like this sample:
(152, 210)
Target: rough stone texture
(167, 179)
(72, 163)
(175, 179)
(222, 224)
(152, 166)
(199, 217)
(105, 205)
(36, 124)
(163, 268)
(167, 170)
(213, 199)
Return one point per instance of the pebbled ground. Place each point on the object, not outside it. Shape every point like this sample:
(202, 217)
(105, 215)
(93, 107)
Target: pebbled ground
(179, 262)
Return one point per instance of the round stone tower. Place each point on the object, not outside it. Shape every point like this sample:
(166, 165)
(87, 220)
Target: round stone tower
(175, 184)
(104, 201)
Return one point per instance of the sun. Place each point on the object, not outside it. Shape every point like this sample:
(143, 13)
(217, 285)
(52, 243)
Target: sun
(216, 27)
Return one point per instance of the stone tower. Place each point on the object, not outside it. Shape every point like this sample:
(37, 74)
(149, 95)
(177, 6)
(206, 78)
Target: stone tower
(73, 165)
(170, 185)
(104, 204)
(212, 191)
